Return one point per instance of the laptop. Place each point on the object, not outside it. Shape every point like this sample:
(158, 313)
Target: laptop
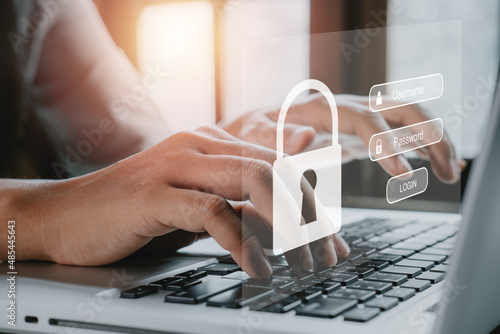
(408, 272)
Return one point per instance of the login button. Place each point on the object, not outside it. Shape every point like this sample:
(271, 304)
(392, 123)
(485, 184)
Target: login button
(407, 185)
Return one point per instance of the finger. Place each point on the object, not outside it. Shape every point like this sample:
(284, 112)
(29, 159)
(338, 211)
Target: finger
(231, 177)
(323, 252)
(341, 247)
(216, 146)
(256, 223)
(296, 137)
(365, 125)
(442, 155)
(195, 211)
(215, 132)
(300, 259)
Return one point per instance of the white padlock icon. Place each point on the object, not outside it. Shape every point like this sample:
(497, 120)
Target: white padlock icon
(289, 232)
(378, 147)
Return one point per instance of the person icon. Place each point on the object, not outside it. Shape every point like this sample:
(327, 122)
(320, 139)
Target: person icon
(378, 101)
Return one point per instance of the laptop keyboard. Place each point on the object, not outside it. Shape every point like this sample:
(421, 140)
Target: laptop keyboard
(390, 262)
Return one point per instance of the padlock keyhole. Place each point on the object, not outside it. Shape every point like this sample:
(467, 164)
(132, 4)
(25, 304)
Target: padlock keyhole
(308, 207)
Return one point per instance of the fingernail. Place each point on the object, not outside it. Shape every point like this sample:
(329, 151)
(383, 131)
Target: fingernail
(263, 266)
(462, 164)
(306, 260)
(299, 140)
(342, 246)
(330, 250)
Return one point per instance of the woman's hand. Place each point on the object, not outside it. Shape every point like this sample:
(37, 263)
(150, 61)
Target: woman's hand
(308, 125)
(183, 183)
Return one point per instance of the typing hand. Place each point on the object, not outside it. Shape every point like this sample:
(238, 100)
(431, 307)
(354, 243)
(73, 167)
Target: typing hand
(183, 183)
(308, 126)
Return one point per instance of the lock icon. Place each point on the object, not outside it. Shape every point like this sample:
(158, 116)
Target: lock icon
(324, 165)
(378, 147)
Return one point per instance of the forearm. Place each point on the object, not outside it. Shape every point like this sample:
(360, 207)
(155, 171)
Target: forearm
(20, 202)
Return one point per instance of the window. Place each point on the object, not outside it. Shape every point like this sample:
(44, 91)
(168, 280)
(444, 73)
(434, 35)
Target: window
(179, 37)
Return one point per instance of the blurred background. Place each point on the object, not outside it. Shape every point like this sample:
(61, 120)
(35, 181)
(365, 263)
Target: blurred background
(226, 57)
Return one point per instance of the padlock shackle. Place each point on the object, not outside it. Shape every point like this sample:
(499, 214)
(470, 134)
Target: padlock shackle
(299, 88)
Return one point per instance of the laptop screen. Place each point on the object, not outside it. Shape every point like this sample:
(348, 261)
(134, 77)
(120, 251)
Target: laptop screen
(398, 42)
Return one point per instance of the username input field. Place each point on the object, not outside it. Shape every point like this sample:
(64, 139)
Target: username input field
(400, 93)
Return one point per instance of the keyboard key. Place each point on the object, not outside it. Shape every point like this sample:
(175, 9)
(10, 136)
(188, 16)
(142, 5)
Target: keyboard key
(363, 234)
(409, 271)
(352, 239)
(239, 297)
(401, 252)
(361, 314)
(437, 259)
(270, 283)
(237, 275)
(328, 286)
(430, 234)
(428, 241)
(424, 265)
(416, 228)
(431, 277)
(403, 235)
(388, 278)
(282, 306)
(294, 276)
(362, 250)
(360, 271)
(342, 278)
(228, 259)
(375, 264)
(220, 268)
(341, 262)
(418, 285)
(182, 285)
(441, 268)
(326, 308)
(415, 246)
(138, 292)
(279, 268)
(308, 294)
(401, 294)
(359, 295)
(278, 260)
(395, 223)
(201, 292)
(192, 274)
(436, 251)
(391, 240)
(378, 287)
(446, 246)
(383, 303)
(354, 256)
(373, 244)
(385, 257)
(163, 283)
